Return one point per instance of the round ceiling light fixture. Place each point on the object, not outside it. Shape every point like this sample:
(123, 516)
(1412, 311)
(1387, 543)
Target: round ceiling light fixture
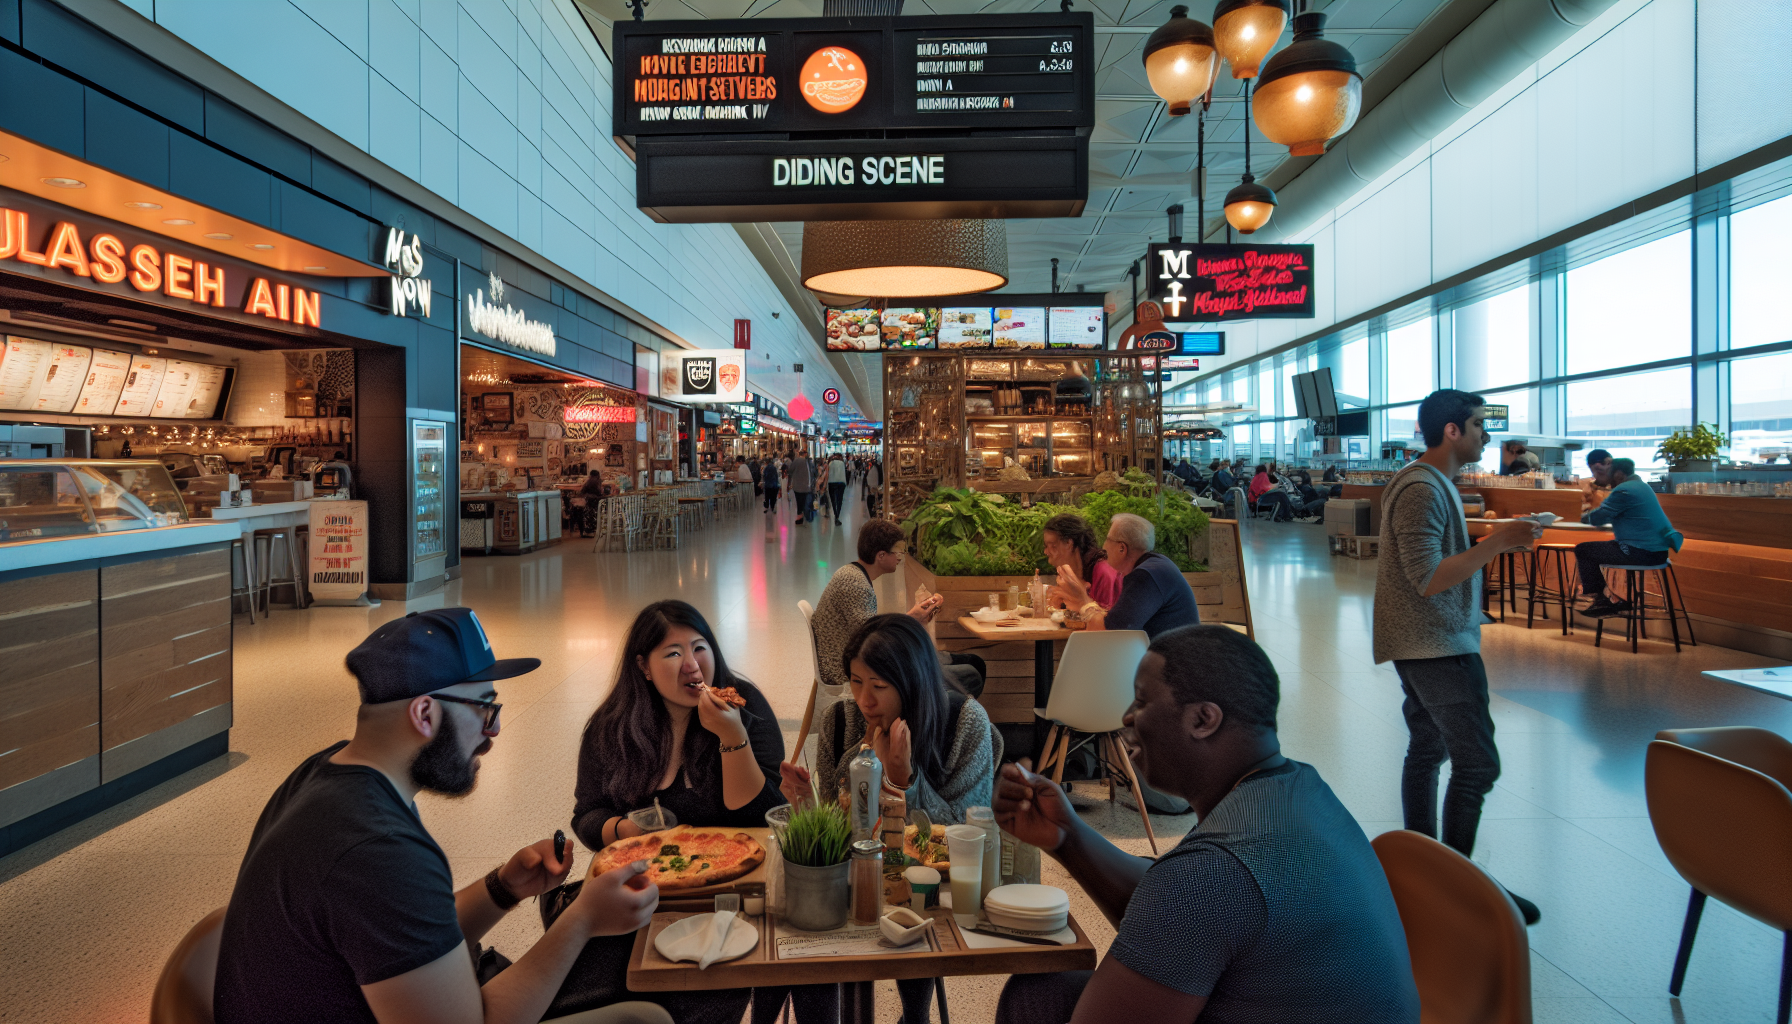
(1310, 92)
(64, 182)
(1249, 205)
(1245, 30)
(179, 222)
(221, 236)
(927, 257)
(316, 268)
(143, 206)
(1180, 61)
(263, 246)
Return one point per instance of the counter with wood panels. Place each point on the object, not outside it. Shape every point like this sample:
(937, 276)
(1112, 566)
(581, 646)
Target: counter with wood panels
(1735, 568)
(115, 669)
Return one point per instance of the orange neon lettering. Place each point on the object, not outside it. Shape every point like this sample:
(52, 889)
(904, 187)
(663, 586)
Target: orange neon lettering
(148, 275)
(65, 249)
(283, 296)
(307, 308)
(12, 233)
(25, 253)
(261, 300)
(179, 282)
(207, 283)
(108, 259)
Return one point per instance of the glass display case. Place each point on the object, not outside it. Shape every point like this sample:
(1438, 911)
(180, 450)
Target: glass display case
(41, 499)
(429, 467)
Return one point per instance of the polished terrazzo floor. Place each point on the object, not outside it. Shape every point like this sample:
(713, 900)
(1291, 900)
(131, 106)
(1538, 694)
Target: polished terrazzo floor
(87, 916)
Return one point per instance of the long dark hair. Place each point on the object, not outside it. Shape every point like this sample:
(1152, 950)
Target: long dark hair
(901, 653)
(632, 727)
(1074, 528)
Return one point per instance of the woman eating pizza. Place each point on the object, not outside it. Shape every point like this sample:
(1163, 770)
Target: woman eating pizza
(937, 746)
(681, 728)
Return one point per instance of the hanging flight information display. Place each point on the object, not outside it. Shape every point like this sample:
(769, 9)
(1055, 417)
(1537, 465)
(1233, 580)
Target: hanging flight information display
(781, 118)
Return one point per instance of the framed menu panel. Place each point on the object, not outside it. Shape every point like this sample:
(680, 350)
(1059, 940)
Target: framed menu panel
(138, 396)
(23, 364)
(1076, 327)
(208, 390)
(1021, 327)
(63, 377)
(178, 381)
(910, 328)
(966, 327)
(105, 379)
(854, 330)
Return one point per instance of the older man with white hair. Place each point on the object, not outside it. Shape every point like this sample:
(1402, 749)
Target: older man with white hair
(1154, 596)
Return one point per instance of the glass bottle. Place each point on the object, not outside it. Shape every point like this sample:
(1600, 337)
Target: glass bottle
(865, 775)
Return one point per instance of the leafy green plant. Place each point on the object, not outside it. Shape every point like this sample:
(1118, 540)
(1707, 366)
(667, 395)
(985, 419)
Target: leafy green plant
(817, 836)
(1691, 445)
(966, 532)
(1174, 516)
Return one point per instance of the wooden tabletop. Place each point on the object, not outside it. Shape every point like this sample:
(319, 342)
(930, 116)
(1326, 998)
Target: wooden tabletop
(948, 955)
(1014, 629)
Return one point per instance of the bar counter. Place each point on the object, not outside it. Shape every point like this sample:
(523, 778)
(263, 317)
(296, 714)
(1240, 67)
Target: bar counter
(1735, 568)
(115, 669)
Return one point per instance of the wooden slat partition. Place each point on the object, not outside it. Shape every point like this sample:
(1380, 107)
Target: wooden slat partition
(166, 638)
(49, 673)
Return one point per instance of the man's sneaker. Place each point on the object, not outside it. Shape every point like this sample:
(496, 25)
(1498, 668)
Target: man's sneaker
(1526, 909)
(1605, 609)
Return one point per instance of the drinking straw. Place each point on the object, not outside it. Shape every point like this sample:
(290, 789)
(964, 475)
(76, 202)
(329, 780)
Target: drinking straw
(659, 813)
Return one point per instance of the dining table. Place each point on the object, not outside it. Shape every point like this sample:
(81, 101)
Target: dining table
(1043, 632)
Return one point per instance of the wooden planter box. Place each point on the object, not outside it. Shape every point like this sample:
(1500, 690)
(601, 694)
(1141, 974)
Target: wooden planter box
(1008, 694)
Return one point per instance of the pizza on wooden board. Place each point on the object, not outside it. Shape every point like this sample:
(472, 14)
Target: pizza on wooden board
(686, 857)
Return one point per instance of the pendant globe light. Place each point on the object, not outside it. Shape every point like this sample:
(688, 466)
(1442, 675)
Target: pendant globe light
(925, 257)
(1310, 92)
(1180, 61)
(1245, 30)
(1249, 205)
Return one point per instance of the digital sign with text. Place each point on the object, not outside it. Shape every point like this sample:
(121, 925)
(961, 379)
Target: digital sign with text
(1207, 283)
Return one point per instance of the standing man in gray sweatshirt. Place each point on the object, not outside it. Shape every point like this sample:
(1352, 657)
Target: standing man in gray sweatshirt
(1428, 623)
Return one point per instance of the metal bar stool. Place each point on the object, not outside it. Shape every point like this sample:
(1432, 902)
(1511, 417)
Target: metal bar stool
(270, 562)
(242, 556)
(1566, 588)
(1636, 593)
(1502, 583)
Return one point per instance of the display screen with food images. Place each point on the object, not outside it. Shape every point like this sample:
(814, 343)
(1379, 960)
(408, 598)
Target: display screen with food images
(1075, 327)
(1021, 327)
(911, 328)
(854, 330)
(966, 327)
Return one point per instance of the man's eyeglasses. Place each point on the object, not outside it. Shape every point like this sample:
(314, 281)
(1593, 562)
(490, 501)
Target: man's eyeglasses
(488, 708)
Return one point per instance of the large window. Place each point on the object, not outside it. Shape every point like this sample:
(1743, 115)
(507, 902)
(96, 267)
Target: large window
(1403, 425)
(1631, 307)
(1760, 267)
(1266, 388)
(1493, 342)
(1629, 415)
(1352, 383)
(1409, 362)
(1761, 406)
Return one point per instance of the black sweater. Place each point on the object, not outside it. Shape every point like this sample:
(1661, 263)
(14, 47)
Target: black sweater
(696, 799)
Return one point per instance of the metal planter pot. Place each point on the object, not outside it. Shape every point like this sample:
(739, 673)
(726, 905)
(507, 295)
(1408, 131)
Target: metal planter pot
(815, 899)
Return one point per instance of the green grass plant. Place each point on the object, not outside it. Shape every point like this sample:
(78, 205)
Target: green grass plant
(818, 836)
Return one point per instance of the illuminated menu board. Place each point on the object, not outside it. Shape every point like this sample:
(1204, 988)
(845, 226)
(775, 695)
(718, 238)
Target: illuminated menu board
(1020, 327)
(56, 377)
(1076, 326)
(208, 389)
(178, 380)
(63, 376)
(105, 380)
(966, 327)
(138, 396)
(23, 364)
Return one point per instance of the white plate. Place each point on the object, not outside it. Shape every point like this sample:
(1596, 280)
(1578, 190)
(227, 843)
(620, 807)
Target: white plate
(743, 936)
(1029, 900)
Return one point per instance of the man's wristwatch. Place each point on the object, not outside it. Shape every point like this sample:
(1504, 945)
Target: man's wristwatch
(500, 893)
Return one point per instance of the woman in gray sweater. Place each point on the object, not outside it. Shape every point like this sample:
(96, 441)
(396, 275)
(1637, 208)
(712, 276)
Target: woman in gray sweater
(936, 745)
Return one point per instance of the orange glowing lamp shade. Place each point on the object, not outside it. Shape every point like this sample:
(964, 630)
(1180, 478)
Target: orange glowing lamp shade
(1244, 31)
(1180, 61)
(1309, 93)
(834, 79)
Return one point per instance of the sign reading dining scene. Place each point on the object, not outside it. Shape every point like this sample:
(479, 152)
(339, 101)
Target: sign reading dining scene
(1196, 283)
(944, 87)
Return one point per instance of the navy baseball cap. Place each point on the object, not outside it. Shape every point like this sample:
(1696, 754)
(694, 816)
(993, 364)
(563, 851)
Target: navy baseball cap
(1598, 455)
(428, 651)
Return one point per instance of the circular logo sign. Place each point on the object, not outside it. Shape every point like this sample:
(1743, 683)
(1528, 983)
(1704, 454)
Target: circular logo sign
(1157, 341)
(831, 396)
(833, 79)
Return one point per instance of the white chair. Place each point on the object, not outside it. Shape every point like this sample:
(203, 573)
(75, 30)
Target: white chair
(1090, 694)
(817, 692)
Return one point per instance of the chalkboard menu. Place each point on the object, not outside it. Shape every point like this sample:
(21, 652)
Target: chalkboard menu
(857, 118)
(1205, 283)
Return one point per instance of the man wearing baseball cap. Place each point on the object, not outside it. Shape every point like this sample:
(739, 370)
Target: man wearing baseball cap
(345, 909)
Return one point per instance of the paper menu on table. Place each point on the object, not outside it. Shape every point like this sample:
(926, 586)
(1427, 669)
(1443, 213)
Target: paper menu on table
(105, 379)
(1020, 327)
(177, 386)
(63, 377)
(141, 383)
(852, 940)
(23, 363)
(208, 386)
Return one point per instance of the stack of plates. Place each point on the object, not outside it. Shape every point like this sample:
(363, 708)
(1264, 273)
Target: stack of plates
(1032, 908)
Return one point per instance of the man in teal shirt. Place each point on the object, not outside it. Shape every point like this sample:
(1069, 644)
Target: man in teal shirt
(1641, 535)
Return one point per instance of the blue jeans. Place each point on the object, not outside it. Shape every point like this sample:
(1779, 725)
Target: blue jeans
(1447, 717)
(805, 505)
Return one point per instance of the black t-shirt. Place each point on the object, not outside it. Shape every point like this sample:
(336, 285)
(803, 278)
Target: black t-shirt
(342, 887)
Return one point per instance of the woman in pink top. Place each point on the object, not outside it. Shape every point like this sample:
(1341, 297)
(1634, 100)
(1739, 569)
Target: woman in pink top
(1068, 540)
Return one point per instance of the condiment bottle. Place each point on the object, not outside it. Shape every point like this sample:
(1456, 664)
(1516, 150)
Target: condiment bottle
(985, 819)
(867, 875)
(865, 776)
